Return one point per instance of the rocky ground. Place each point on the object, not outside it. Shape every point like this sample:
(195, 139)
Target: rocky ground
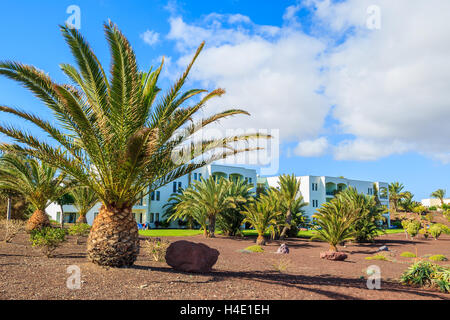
(26, 274)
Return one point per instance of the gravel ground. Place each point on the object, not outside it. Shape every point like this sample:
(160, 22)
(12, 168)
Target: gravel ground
(26, 274)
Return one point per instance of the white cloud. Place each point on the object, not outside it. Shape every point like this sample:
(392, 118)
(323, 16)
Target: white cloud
(312, 148)
(389, 87)
(150, 37)
(275, 79)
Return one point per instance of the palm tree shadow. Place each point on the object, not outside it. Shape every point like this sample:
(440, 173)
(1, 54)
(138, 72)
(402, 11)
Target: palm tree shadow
(297, 281)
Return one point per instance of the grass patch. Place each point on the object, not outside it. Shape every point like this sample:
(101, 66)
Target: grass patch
(254, 248)
(169, 232)
(438, 257)
(377, 257)
(408, 254)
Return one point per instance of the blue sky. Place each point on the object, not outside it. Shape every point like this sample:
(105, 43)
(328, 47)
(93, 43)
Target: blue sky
(387, 125)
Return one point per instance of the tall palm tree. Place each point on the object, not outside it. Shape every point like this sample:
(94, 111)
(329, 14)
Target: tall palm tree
(39, 184)
(396, 194)
(84, 199)
(290, 200)
(262, 215)
(334, 221)
(116, 136)
(439, 194)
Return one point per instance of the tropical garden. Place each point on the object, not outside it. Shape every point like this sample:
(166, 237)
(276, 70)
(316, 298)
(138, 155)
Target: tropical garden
(118, 137)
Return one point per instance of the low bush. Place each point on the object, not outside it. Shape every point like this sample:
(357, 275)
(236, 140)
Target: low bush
(282, 264)
(432, 208)
(445, 229)
(435, 231)
(408, 254)
(413, 228)
(156, 249)
(438, 257)
(425, 273)
(80, 230)
(47, 239)
(255, 248)
(11, 228)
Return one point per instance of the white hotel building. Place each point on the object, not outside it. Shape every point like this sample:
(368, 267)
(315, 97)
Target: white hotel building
(150, 208)
(318, 190)
(314, 189)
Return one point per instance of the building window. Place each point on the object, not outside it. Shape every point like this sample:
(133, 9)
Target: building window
(141, 199)
(250, 180)
(195, 176)
(179, 187)
(156, 216)
(369, 191)
(95, 214)
(315, 203)
(152, 217)
(315, 186)
(174, 187)
(153, 196)
(158, 195)
(199, 176)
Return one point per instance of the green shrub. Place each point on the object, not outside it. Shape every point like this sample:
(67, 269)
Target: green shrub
(438, 257)
(378, 256)
(156, 248)
(413, 228)
(424, 232)
(425, 273)
(80, 230)
(432, 208)
(408, 254)
(255, 248)
(47, 239)
(445, 229)
(435, 231)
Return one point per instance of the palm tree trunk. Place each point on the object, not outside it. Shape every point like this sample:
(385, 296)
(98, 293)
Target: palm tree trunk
(114, 238)
(205, 232)
(82, 219)
(38, 220)
(333, 248)
(212, 226)
(62, 216)
(8, 210)
(287, 226)
(261, 241)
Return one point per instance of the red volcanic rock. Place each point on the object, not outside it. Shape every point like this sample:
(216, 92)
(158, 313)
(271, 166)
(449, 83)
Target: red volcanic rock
(333, 255)
(191, 257)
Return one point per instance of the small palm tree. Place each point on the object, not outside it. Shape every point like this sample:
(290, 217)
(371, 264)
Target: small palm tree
(396, 194)
(291, 200)
(262, 215)
(84, 199)
(183, 206)
(214, 197)
(439, 194)
(39, 184)
(334, 222)
(116, 136)
(230, 220)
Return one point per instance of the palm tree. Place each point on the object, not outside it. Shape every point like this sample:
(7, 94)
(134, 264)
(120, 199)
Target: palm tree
(439, 194)
(84, 199)
(262, 214)
(183, 206)
(39, 184)
(290, 200)
(396, 194)
(334, 221)
(230, 220)
(214, 197)
(370, 213)
(116, 136)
